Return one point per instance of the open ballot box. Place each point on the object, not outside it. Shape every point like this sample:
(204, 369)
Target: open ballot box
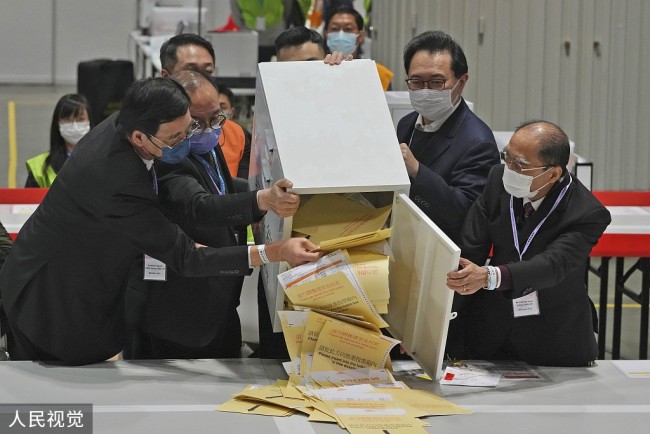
(328, 130)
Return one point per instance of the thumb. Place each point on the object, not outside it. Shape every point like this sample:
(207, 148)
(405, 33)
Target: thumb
(464, 262)
(284, 183)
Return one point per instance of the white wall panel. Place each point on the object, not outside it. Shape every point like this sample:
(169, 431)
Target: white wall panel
(90, 29)
(26, 35)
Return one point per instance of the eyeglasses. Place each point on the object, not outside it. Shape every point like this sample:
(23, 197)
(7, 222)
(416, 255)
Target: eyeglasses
(215, 122)
(418, 84)
(191, 130)
(515, 165)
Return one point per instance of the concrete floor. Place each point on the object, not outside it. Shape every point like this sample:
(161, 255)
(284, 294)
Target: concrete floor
(33, 113)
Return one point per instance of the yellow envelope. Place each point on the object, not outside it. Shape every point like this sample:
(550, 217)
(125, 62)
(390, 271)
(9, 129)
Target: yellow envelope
(335, 293)
(293, 326)
(427, 403)
(343, 346)
(328, 216)
(372, 271)
(249, 407)
(357, 240)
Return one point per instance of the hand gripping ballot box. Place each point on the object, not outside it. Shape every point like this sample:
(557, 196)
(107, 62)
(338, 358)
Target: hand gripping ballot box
(329, 131)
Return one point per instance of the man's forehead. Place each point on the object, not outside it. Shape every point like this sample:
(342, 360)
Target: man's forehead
(307, 51)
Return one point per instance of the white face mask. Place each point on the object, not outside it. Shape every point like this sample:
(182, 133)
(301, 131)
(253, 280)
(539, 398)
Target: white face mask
(72, 132)
(518, 184)
(434, 105)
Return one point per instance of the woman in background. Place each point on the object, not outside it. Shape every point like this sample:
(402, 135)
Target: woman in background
(70, 122)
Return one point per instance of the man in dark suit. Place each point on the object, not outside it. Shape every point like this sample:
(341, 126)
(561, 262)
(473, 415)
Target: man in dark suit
(530, 303)
(447, 149)
(196, 317)
(63, 284)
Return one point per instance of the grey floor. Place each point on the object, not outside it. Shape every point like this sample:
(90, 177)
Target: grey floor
(33, 109)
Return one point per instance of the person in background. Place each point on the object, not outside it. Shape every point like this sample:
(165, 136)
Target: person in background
(70, 122)
(448, 151)
(192, 52)
(302, 43)
(540, 223)
(344, 32)
(226, 102)
(63, 285)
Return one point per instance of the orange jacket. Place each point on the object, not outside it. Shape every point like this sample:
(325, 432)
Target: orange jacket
(232, 142)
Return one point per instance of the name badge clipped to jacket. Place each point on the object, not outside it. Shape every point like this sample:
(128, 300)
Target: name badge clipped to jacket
(526, 306)
(154, 269)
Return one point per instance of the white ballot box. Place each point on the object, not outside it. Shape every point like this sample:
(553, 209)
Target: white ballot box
(328, 129)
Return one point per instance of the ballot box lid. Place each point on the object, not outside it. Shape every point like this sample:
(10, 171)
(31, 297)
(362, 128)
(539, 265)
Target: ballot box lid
(329, 126)
(420, 303)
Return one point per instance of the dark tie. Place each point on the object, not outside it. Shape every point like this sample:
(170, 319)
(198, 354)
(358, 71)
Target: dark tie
(528, 210)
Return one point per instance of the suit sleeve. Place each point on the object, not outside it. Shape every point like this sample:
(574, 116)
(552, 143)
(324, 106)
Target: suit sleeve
(134, 212)
(188, 201)
(447, 202)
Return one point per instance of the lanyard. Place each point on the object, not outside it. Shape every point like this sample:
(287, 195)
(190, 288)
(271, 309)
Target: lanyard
(154, 179)
(515, 236)
(215, 175)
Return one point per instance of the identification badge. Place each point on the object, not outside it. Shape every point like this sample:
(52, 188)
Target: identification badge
(154, 269)
(526, 306)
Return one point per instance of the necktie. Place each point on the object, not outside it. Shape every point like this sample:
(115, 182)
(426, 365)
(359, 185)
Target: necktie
(528, 210)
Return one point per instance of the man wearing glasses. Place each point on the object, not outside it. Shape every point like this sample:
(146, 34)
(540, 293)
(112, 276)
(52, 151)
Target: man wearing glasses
(190, 52)
(196, 316)
(63, 284)
(530, 303)
(447, 149)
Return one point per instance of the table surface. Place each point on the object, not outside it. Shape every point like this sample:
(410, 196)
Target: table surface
(171, 396)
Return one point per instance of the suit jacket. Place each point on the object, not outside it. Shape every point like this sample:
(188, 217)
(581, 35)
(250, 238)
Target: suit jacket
(554, 266)
(453, 166)
(63, 284)
(194, 311)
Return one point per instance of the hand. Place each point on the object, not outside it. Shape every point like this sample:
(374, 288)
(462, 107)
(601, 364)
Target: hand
(468, 280)
(277, 199)
(336, 58)
(411, 163)
(295, 251)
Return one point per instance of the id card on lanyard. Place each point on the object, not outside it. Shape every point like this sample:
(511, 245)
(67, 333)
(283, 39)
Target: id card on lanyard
(529, 303)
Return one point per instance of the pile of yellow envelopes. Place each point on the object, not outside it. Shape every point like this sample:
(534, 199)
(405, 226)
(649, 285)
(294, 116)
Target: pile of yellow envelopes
(360, 408)
(339, 367)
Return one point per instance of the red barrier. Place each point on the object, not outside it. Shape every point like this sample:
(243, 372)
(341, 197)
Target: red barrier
(22, 195)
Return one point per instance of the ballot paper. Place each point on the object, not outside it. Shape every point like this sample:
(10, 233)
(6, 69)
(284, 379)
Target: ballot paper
(293, 327)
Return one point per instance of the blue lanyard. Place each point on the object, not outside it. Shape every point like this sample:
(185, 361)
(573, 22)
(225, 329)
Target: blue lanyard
(215, 175)
(515, 236)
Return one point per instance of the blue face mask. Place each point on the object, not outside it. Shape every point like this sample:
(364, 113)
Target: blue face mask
(205, 141)
(342, 41)
(176, 154)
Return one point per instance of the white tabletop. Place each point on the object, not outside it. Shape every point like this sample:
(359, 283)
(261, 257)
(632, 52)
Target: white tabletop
(180, 396)
(629, 220)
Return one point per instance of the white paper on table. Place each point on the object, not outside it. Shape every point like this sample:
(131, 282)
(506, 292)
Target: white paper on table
(454, 376)
(633, 368)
